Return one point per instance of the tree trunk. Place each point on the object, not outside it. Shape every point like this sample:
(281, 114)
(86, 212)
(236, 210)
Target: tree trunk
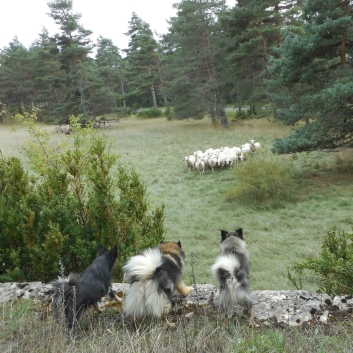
(155, 106)
(83, 98)
(278, 22)
(169, 110)
(212, 73)
(115, 105)
(220, 112)
(123, 92)
(239, 99)
(344, 36)
(161, 83)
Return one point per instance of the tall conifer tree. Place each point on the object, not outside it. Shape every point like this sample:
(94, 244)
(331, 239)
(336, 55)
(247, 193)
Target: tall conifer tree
(16, 77)
(142, 73)
(313, 79)
(252, 32)
(82, 81)
(48, 77)
(111, 68)
(193, 85)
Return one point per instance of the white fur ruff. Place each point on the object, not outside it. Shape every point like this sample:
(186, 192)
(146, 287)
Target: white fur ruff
(232, 294)
(143, 298)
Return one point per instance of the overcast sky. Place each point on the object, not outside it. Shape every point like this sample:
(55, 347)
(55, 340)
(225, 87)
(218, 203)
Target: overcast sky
(109, 18)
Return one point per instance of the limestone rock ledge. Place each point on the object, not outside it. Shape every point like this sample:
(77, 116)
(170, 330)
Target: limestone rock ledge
(271, 307)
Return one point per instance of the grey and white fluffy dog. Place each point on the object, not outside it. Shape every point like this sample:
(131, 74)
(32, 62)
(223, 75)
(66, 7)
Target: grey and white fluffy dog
(232, 271)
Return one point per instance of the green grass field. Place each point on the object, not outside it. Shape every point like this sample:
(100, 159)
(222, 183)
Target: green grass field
(197, 206)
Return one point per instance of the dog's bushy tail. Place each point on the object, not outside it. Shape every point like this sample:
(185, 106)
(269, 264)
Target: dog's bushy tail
(233, 284)
(145, 296)
(65, 290)
(142, 267)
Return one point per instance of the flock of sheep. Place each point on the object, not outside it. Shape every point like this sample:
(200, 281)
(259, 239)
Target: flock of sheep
(220, 157)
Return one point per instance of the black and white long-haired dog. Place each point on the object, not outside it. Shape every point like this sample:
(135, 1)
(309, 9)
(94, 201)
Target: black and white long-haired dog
(232, 271)
(154, 276)
(77, 293)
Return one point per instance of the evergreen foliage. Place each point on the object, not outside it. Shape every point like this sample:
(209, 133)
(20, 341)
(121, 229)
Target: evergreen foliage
(48, 77)
(67, 207)
(192, 82)
(251, 35)
(111, 68)
(16, 89)
(150, 113)
(142, 60)
(295, 54)
(332, 268)
(74, 45)
(312, 80)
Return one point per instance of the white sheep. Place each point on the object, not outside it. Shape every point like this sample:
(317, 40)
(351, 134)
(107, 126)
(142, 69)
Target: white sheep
(190, 161)
(204, 157)
(222, 158)
(231, 159)
(200, 165)
(255, 146)
(237, 150)
(245, 149)
(198, 153)
(212, 162)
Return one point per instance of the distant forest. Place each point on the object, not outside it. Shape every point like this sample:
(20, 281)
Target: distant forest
(292, 58)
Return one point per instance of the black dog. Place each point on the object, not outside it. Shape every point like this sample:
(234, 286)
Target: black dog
(78, 293)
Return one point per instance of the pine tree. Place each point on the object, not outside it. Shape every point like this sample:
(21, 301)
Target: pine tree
(48, 77)
(193, 80)
(141, 67)
(111, 68)
(16, 77)
(313, 79)
(251, 36)
(82, 80)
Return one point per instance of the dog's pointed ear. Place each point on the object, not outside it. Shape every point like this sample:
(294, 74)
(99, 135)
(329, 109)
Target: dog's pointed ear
(224, 234)
(114, 251)
(179, 243)
(101, 250)
(239, 233)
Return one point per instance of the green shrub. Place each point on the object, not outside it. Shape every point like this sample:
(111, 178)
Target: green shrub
(137, 228)
(261, 179)
(344, 162)
(68, 207)
(235, 114)
(333, 268)
(150, 113)
(305, 138)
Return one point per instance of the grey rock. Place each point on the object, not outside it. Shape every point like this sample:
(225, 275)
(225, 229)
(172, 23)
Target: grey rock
(271, 307)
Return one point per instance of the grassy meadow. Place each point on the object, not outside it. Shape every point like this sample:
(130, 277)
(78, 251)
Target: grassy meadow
(21, 330)
(198, 206)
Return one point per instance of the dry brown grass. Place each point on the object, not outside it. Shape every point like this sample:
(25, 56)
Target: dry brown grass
(21, 330)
